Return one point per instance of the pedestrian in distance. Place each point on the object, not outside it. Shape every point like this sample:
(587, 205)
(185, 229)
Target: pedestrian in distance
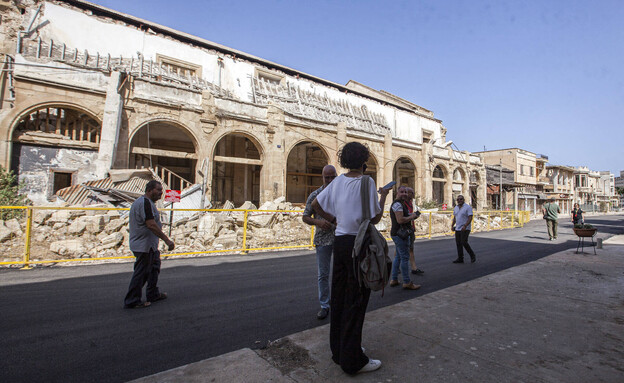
(412, 208)
(577, 215)
(551, 214)
(402, 234)
(462, 220)
(145, 230)
(323, 241)
(341, 204)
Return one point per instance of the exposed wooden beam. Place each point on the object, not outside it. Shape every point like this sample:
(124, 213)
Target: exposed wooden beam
(163, 153)
(238, 160)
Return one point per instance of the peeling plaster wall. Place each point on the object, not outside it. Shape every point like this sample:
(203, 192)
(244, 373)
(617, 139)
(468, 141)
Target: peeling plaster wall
(33, 164)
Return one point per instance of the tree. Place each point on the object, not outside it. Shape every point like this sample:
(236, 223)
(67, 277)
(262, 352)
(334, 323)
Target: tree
(10, 195)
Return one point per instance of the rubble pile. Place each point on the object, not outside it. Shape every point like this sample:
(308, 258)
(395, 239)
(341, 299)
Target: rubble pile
(63, 234)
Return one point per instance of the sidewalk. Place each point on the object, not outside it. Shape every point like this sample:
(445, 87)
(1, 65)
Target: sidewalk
(559, 319)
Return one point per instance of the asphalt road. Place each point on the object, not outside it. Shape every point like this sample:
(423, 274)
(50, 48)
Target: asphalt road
(66, 324)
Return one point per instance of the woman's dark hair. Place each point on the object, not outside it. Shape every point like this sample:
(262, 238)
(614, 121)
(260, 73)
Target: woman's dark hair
(353, 155)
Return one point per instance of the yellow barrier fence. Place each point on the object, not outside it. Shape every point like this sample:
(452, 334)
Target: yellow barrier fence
(50, 235)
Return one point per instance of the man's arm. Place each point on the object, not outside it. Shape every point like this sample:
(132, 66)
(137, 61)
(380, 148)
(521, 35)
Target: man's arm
(467, 223)
(151, 224)
(319, 210)
(453, 223)
(401, 219)
(307, 217)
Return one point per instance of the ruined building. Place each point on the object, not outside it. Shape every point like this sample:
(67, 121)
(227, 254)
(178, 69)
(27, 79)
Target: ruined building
(87, 92)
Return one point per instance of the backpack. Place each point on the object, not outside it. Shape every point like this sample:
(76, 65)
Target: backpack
(371, 262)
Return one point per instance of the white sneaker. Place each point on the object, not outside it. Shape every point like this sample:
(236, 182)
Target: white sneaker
(372, 365)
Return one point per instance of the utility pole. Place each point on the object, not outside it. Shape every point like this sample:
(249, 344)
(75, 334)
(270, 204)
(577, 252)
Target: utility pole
(500, 184)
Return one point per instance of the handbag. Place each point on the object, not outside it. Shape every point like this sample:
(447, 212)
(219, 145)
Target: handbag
(404, 232)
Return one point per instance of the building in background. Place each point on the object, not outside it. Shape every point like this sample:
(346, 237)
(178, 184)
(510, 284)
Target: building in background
(561, 186)
(524, 165)
(89, 92)
(500, 188)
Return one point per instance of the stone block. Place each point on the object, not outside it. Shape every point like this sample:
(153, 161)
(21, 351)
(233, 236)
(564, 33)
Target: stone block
(64, 216)
(41, 216)
(77, 227)
(69, 247)
(111, 240)
(5, 234)
(15, 227)
(114, 225)
(95, 224)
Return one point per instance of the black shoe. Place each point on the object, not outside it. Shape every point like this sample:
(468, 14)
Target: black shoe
(473, 259)
(458, 261)
(418, 271)
(322, 314)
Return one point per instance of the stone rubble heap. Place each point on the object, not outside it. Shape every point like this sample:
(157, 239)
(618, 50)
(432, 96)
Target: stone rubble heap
(65, 234)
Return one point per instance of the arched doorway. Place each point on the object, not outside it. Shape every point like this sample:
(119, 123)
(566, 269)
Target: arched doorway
(236, 170)
(474, 188)
(439, 182)
(404, 173)
(51, 145)
(168, 149)
(371, 168)
(458, 184)
(303, 171)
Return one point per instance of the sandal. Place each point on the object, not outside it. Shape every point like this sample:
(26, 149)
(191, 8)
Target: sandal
(139, 305)
(160, 297)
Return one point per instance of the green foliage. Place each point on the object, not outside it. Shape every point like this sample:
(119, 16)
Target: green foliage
(619, 191)
(583, 226)
(426, 204)
(10, 195)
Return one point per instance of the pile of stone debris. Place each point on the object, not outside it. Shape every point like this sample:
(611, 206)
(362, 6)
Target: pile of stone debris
(64, 234)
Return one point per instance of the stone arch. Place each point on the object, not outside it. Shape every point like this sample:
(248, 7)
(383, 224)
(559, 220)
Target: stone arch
(52, 144)
(404, 173)
(474, 181)
(438, 176)
(236, 170)
(372, 168)
(169, 148)
(304, 165)
(458, 185)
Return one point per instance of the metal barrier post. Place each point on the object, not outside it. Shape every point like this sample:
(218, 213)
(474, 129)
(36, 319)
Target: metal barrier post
(29, 217)
(501, 217)
(312, 230)
(429, 225)
(244, 250)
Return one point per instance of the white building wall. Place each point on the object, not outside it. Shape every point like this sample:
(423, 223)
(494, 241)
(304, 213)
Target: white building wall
(79, 30)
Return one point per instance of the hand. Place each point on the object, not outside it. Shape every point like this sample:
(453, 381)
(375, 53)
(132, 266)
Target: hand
(452, 227)
(383, 192)
(170, 244)
(325, 225)
(463, 228)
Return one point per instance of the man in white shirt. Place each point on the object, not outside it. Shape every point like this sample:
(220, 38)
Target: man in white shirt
(462, 218)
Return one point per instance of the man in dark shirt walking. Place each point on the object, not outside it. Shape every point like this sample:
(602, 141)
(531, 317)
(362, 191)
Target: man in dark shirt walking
(145, 229)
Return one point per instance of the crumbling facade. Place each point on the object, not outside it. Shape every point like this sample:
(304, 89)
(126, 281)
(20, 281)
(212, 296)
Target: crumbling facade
(86, 90)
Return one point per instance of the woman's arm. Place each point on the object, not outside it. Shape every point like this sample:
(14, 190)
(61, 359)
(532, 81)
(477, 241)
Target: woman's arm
(382, 201)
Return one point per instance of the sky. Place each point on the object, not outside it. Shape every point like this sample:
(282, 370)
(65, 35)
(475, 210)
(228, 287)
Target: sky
(544, 76)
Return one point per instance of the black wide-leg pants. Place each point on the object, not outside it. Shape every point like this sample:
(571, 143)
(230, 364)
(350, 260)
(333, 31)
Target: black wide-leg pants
(146, 269)
(348, 308)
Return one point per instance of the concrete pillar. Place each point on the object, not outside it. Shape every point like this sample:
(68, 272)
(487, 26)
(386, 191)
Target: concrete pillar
(273, 183)
(427, 167)
(111, 123)
(386, 166)
(341, 140)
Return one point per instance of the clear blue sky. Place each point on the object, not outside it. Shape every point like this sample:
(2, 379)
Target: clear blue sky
(545, 76)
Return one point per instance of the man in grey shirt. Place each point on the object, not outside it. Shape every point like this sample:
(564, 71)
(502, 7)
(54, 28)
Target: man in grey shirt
(323, 240)
(145, 229)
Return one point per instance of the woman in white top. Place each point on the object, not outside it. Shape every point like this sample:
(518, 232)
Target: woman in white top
(340, 203)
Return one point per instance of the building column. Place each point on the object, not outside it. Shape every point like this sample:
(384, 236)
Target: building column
(386, 166)
(273, 183)
(341, 140)
(111, 123)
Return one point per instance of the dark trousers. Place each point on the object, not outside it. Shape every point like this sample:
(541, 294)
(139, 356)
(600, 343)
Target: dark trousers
(146, 269)
(461, 240)
(348, 308)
